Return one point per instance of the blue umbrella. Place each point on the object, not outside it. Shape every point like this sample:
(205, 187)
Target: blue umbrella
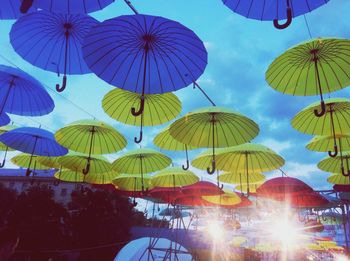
(145, 54)
(4, 119)
(67, 6)
(273, 10)
(9, 9)
(52, 42)
(21, 94)
(34, 141)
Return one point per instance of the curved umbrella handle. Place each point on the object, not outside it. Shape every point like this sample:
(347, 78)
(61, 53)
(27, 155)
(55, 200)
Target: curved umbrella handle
(25, 6)
(213, 165)
(344, 173)
(87, 169)
(138, 140)
(64, 84)
(277, 25)
(3, 163)
(322, 112)
(142, 107)
(222, 186)
(28, 171)
(134, 203)
(333, 155)
(186, 167)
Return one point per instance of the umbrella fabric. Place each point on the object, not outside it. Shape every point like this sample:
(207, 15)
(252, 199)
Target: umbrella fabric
(90, 137)
(305, 200)
(21, 94)
(4, 119)
(226, 199)
(70, 176)
(314, 67)
(145, 54)
(338, 179)
(132, 182)
(71, 7)
(10, 9)
(341, 188)
(23, 160)
(244, 188)
(240, 178)
(174, 177)
(167, 195)
(339, 164)
(235, 159)
(35, 141)
(3, 147)
(326, 143)
(192, 200)
(52, 42)
(98, 164)
(51, 162)
(101, 178)
(202, 188)
(78, 176)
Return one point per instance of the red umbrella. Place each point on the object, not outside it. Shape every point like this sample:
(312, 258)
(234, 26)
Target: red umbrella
(307, 200)
(202, 188)
(193, 201)
(341, 188)
(168, 195)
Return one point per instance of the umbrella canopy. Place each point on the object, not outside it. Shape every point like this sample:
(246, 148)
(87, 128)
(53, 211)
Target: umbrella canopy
(338, 179)
(226, 199)
(51, 162)
(52, 41)
(67, 6)
(174, 177)
(333, 122)
(3, 147)
(201, 188)
(326, 142)
(339, 164)
(10, 9)
(90, 137)
(165, 141)
(241, 178)
(191, 201)
(252, 187)
(341, 188)
(78, 177)
(312, 68)
(304, 200)
(145, 54)
(70, 176)
(4, 119)
(274, 10)
(248, 158)
(21, 94)
(158, 108)
(23, 160)
(132, 182)
(34, 141)
(166, 195)
(214, 127)
(98, 164)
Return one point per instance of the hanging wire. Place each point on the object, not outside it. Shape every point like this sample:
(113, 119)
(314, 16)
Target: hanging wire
(307, 26)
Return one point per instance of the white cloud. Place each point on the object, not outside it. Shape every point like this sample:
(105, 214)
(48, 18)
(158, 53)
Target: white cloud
(277, 146)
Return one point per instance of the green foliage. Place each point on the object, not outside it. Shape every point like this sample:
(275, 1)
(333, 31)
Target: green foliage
(8, 198)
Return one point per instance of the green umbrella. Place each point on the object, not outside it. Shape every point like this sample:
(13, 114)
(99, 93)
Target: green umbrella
(336, 164)
(51, 162)
(158, 108)
(326, 143)
(141, 161)
(240, 178)
(91, 137)
(132, 182)
(167, 142)
(3, 147)
(214, 127)
(338, 179)
(334, 122)
(92, 178)
(70, 176)
(249, 158)
(23, 160)
(252, 187)
(314, 67)
(174, 177)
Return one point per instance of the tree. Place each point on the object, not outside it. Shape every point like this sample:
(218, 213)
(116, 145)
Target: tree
(8, 198)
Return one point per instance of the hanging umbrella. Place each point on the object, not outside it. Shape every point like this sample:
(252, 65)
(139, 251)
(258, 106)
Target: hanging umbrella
(274, 10)
(21, 94)
(34, 141)
(9, 9)
(167, 142)
(51, 162)
(52, 42)
(252, 187)
(334, 121)
(315, 67)
(3, 147)
(4, 119)
(70, 176)
(305, 200)
(145, 54)
(338, 179)
(248, 158)
(23, 160)
(202, 188)
(158, 108)
(241, 178)
(227, 199)
(79, 177)
(339, 164)
(326, 142)
(90, 137)
(168, 195)
(98, 164)
(213, 127)
(174, 177)
(141, 161)
(66, 6)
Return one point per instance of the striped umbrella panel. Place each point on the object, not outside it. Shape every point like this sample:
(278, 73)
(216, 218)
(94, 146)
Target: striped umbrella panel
(10, 9)
(98, 164)
(326, 143)
(22, 160)
(127, 182)
(159, 108)
(334, 164)
(241, 177)
(165, 141)
(70, 176)
(174, 177)
(294, 72)
(136, 52)
(338, 179)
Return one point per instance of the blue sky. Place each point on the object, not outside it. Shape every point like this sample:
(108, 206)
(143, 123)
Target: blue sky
(240, 51)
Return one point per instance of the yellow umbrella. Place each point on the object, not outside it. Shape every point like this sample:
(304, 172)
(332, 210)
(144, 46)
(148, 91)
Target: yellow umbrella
(336, 164)
(51, 162)
(22, 160)
(252, 187)
(3, 147)
(174, 177)
(338, 179)
(241, 178)
(92, 178)
(132, 182)
(226, 199)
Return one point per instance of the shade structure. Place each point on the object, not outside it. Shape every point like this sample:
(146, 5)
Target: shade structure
(214, 127)
(174, 177)
(69, 7)
(339, 164)
(141, 161)
(246, 158)
(165, 141)
(52, 42)
(333, 122)
(25, 160)
(326, 142)
(158, 108)
(274, 10)
(3, 147)
(338, 179)
(166, 195)
(51, 162)
(90, 137)
(132, 182)
(282, 188)
(226, 199)
(21, 94)
(73, 161)
(10, 9)
(314, 67)
(202, 188)
(305, 200)
(241, 178)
